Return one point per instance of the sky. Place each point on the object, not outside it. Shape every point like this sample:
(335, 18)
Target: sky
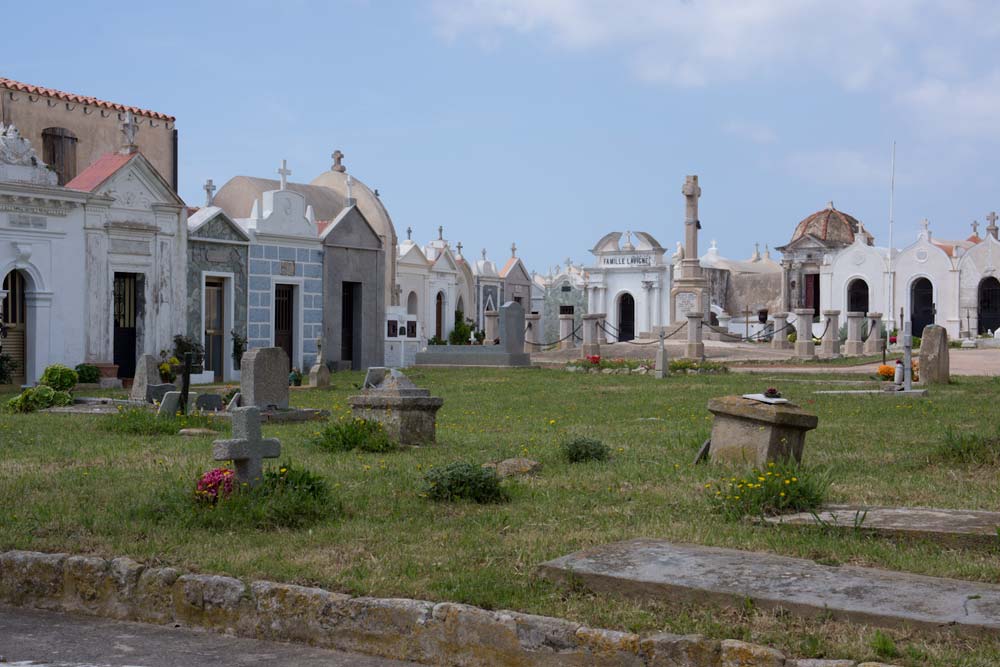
(550, 123)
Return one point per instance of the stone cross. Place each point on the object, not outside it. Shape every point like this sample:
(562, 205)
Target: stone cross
(338, 159)
(992, 218)
(975, 228)
(458, 247)
(926, 225)
(513, 250)
(691, 192)
(210, 189)
(247, 449)
(284, 172)
(409, 233)
(484, 253)
(129, 127)
(440, 232)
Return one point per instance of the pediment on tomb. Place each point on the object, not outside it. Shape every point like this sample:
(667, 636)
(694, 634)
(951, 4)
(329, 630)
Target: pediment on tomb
(216, 225)
(445, 263)
(351, 230)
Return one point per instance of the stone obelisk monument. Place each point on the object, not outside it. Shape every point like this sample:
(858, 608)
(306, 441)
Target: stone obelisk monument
(689, 293)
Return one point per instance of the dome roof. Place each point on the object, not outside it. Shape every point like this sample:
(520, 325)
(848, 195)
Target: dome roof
(832, 227)
(370, 205)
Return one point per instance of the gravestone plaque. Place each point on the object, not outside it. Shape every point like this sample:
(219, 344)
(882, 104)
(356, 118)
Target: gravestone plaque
(209, 403)
(685, 302)
(156, 392)
(264, 378)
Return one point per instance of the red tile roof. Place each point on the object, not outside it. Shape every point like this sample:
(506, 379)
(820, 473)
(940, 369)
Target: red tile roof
(100, 171)
(321, 225)
(79, 99)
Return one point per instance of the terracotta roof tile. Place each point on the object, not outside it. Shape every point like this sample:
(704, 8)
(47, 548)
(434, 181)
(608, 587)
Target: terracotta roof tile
(321, 225)
(79, 99)
(100, 171)
(508, 266)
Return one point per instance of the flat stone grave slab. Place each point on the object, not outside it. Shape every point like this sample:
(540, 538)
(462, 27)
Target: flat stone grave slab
(681, 572)
(902, 393)
(963, 527)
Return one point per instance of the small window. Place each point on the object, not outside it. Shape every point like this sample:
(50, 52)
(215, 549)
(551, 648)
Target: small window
(59, 152)
(566, 288)
(566, 310)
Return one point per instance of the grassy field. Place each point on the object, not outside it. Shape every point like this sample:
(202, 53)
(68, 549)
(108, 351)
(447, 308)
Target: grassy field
(67, 484)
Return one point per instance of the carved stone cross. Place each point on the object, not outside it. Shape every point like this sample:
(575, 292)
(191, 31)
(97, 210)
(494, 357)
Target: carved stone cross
(513, 250)
(459, 247)
(247, 449)
(440, 232)
(129, 127)
(484, 253)
(975, 228)
(992, 218)
(409, 233)
(209, 191)
(338, 159)
(284, 172)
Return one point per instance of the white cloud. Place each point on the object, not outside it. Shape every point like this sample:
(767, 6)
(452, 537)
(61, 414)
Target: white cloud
(753, 132)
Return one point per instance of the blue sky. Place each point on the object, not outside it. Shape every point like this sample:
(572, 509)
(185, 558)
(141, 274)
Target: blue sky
(553, 122)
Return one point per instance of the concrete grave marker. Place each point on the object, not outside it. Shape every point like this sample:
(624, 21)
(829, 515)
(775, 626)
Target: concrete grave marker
(156, 392)
(147, 373)
(209, 403)
(247, 449)
(408, 413)
(319, 374)
(750, 431)
(934, 356)
(264, 378)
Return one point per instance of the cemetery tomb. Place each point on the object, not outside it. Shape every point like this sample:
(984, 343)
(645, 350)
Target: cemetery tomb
(757, 430)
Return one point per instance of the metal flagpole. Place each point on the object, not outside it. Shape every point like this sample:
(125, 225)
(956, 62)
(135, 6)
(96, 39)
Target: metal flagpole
(892, 277)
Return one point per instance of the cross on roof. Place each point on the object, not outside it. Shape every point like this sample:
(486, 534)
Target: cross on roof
(129, 127)
(247, 449)
(926, 224)
(284, 172)
(513, 250)
(338, 159)
(975, 227)
(409, 233)
(484, 253)
(209, 191)
(992, 218)
(458, 247)
(440, 232)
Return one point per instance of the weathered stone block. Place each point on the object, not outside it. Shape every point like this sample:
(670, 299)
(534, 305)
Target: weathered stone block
(391, 628)
(934, 356)
(808, 662)
(544, 633)
(669, 650)
(211, 601)
(471, 636)
(147, 372)
(124, 574)
(264, 378)
(748, 431)
(87, 585)
(285, 612)
(32, 579)
(740, 654)
(154, 595)
(610, 646)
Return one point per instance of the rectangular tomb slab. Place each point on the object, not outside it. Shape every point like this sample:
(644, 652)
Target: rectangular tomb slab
(969, 527)
(663, 570)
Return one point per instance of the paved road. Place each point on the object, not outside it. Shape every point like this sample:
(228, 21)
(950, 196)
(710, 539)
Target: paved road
(41, 638)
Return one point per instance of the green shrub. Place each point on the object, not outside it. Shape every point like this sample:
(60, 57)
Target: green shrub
(38, 398)
(463, 331)
(345, 435)
(779, 488)
(578, 450)
(59, 377)
(883, 645)
(287, 497)
(792, 337)
(139, 421)
(464, 481)
(61, 398)
(7, 368)
(88, 374)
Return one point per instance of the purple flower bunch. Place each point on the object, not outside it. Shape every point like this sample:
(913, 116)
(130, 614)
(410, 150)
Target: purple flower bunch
(214, 485)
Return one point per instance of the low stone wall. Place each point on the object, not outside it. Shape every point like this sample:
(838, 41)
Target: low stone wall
(440, 634)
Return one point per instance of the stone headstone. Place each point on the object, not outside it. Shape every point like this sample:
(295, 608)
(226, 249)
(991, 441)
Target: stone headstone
(319, 375)
(147, 372)
(934, 356)
(209, 403)
(749, 431)
(264, 378)
(407, 412)
(512, 327)
(170, 404)
(156, 392)
(247, 449)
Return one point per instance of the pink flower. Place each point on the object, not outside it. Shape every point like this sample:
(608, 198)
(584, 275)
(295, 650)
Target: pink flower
(214, 485)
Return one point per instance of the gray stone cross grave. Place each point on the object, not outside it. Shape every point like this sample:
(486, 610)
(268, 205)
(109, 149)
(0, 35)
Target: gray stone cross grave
(247, 449)
(284, 172)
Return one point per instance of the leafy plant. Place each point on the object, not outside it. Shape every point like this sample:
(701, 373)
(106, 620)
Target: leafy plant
(463, 332)
(464, 481)
(39, 398)
(7, 368)
(184, 344)
(579, 450)
(778, 488)
(883, 645)
(348, 434)
(88, 374)
(239, 347)
(59, 377)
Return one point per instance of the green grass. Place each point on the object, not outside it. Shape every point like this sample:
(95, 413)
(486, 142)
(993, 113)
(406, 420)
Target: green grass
(68, 484)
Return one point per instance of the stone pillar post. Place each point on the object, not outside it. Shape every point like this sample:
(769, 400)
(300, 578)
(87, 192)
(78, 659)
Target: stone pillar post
(854, 346)
(779, 340)
(873, 344)
(591, 346)
(492, 326)
(804, 348)
(724, 320)
(830, 347)
(565, 331)
(695, 348)
(533, 333)
(602, 323)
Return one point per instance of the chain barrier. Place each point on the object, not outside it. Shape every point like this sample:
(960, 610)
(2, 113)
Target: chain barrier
(572, 334)
(652, 342)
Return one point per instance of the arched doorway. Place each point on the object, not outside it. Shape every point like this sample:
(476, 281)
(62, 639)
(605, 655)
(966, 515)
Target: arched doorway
(439, 316)
(989, 304)
(921, 305)
(14, 315)
(411, 304)
(857, 296)
(626, 317)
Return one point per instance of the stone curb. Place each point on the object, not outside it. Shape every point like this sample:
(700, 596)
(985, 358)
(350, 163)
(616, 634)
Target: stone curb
(415, 630)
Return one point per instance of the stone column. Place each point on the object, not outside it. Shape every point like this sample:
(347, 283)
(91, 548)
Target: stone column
(566, 341)
(695, 348)
(804, 348)
(855, 346)
(591, 346)
(779, 340)
(830, 347)
(873, 344)
(492, 326)
(533, 333)
(724, 320)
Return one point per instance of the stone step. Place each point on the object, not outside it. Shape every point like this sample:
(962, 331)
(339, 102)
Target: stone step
(680, 572)
(959, 527)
